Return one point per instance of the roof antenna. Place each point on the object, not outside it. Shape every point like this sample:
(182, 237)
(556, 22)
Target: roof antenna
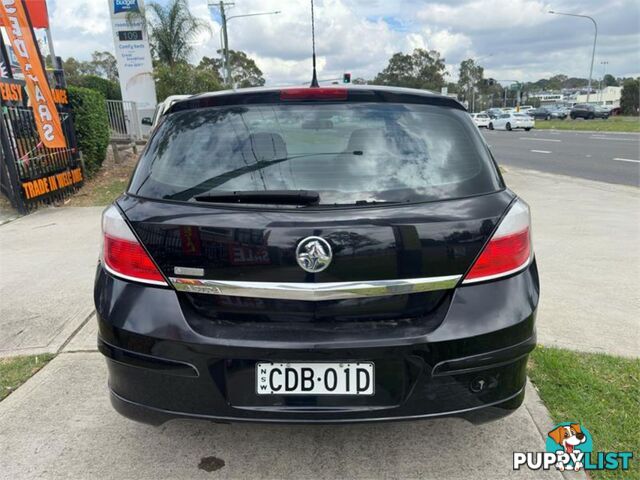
(314, 80)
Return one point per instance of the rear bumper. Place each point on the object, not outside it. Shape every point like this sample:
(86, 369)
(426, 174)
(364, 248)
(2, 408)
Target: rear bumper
(472, 366)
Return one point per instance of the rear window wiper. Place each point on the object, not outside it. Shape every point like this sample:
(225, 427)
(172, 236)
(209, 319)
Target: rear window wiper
(275, 197)
(223, 178)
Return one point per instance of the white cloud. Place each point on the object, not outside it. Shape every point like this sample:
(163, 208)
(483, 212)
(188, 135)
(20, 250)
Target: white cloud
(486, 14)
(359, 36)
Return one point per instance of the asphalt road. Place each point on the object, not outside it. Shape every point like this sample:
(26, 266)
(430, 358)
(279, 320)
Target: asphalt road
(605, 157)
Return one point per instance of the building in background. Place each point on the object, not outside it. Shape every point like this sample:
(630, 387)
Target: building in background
(608, 96)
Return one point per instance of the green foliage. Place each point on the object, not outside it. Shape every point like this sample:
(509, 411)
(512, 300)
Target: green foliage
(630, 96)
(470, 77)
(599, 391)
(244, 71)
(102, 64)
(609, 81)
(183, 79)
(172, 30)
(109, 89)
(420, 69)
(92, 125)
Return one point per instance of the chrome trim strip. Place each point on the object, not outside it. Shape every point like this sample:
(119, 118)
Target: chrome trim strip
(315, 292)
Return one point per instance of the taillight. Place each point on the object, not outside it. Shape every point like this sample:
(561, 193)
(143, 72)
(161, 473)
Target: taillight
(509, 249)
(314, 93)
(122, 254)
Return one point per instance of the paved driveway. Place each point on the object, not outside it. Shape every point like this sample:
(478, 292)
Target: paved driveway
(60, 425)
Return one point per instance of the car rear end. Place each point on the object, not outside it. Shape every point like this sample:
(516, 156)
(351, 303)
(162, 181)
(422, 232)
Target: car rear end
(316, 255)
(524, 121)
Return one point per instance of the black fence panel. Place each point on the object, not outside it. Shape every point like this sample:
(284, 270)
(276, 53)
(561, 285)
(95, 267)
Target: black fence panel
(30, 173)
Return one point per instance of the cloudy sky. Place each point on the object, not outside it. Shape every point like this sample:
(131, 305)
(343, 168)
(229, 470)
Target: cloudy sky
(512, 39)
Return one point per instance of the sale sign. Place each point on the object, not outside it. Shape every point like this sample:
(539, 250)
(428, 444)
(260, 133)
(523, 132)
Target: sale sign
(25, 47)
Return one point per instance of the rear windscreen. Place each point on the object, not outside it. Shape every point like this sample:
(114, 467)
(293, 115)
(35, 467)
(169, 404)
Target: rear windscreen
(347, 152)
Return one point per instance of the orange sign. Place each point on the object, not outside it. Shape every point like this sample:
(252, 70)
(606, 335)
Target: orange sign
(42, 186)
(26, 50)
(38, 14)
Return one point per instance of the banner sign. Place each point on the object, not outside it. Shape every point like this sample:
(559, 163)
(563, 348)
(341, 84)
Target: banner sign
(133, 54)
(42, 186)
(12, 93)
(38, 14)
(25, 47)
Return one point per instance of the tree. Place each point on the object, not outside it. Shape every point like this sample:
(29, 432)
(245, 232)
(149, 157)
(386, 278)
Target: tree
(105, 65)
(630, 96)
(75, 69)
(609, 81)
(469, 77)
(420, 69)
(244, 71)
(172, 30)
(183, 78)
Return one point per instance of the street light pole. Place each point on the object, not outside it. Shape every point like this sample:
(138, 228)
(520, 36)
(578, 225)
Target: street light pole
(595, 39)
(225, 37)
(227, 70)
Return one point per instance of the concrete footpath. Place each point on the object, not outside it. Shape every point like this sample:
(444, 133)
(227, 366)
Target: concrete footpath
(60, 424)
(586, 236)
(47, 264)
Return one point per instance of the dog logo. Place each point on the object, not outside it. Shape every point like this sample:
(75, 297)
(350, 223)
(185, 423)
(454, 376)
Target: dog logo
(314, 254)
(569, 446)
(569, 437)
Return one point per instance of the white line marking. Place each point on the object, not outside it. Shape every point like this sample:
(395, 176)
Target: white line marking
(541, 139)
(597, 137)
(540, 151)
(627, 160)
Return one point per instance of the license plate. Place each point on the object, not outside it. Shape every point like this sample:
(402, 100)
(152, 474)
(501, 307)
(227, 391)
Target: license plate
(356, 378)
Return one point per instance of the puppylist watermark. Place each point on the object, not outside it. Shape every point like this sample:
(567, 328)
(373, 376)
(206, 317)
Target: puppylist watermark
(569, 446)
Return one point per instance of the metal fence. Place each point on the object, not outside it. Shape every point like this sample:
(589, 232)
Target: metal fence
(124, 121)
(30, 173)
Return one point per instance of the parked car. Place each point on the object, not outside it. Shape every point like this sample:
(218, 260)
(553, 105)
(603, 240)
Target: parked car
(512, 121)
(481, 120)
(161, 109)
(588, 112)
(545, 113)
(368, 266)
(494, 112)
(525, 108)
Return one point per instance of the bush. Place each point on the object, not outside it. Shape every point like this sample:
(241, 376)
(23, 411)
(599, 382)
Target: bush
(630, 96)
(92, 126)
(110, 90)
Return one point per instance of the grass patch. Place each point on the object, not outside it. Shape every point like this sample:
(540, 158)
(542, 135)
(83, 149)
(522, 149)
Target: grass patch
(600, 391)
(612, 124)
(107, 184)
(15, 371)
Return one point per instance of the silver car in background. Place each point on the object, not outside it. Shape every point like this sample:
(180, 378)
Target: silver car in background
(512, 121)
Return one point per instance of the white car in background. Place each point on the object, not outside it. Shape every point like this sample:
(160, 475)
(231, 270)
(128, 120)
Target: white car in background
(481, 120)
(161, 108)
(511, 121)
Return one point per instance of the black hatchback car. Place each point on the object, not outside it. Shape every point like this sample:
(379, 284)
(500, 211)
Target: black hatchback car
(316, 255)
